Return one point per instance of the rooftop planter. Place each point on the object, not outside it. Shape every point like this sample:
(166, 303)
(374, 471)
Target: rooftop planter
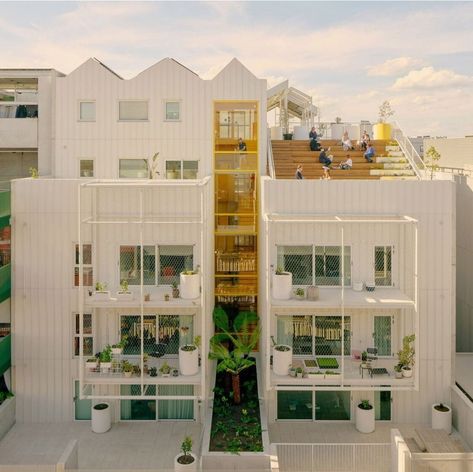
(189, 284)
(101, 418)
(282, 284)
(189, 358)
(365, 417)
(442, 417)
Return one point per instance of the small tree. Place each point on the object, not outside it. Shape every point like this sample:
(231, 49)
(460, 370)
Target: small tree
(152, 164)
(432, 156)
(406, 354)
(385, 111)
(186, 448)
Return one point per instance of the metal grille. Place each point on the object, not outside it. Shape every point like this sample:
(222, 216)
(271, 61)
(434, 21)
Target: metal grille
(315, 265)
(315, 335)
(383, 265)
(130, 265)
(172, 261)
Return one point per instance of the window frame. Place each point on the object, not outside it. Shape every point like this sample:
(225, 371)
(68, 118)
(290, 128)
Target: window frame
(181, 168)
(133, 159)
(83, 120)
(172, 120)
(76, 265)
(93, 168)
(385, 246)
(76, 335)
(128, 120)
(136, 246)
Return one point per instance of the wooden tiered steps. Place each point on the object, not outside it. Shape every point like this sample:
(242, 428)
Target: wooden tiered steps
(288, 154)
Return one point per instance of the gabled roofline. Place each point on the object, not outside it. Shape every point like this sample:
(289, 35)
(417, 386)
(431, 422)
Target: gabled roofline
(162, 60)
(108, 68)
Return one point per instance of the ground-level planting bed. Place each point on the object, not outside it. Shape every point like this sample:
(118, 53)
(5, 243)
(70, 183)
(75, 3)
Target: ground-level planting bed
(236, 428)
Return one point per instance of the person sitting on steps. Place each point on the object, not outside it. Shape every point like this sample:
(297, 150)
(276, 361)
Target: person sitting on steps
(369, 154)
(324, 158)
(347, 164)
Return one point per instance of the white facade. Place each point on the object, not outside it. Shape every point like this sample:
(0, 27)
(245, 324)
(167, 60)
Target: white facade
(137, 211)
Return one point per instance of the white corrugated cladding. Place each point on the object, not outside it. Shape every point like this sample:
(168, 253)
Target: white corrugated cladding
(432, 203)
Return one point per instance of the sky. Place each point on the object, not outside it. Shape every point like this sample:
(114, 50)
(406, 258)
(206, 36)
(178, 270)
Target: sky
(349, 56)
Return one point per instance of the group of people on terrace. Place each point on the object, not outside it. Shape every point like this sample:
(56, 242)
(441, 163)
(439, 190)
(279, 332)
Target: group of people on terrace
(326, 159)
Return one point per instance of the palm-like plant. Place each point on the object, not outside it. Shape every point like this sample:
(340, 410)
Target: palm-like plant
(244, 341)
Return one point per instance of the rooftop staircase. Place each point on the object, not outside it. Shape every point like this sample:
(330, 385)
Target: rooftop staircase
(390, 162)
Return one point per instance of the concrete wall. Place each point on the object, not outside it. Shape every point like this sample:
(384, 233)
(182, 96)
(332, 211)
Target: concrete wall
(18, 133)
(455, 152)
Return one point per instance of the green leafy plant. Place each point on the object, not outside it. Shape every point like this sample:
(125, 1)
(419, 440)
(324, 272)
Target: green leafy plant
(194, 346)
(431, 158)
(153, 372)
(121, 345)
(124, 286)
(280, 270)
(4, 396)
(100, 287)
(407, 353)
(34, 174)
(365, 405)
(165, 369)
(106, 354)
(186, 449)
(127, 366)
(300, 292)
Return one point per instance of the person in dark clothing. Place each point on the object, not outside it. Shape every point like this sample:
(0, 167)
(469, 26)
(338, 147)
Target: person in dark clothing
(313, 133)
(299, 175)
(241, 145)
(314, 145)
(323, 158)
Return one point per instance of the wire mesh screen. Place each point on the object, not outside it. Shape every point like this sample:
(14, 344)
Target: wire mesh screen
(172, 261)
(315, 335)
(315, 265)
(130, 265)
(383, 265)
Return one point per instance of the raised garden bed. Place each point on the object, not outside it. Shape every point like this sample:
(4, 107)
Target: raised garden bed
(236, 428)
(327, 362)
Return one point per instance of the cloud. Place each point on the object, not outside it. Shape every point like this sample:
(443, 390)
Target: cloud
(429, 78)
(395, 66)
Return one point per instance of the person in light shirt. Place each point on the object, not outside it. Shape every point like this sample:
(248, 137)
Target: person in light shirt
(347, 164)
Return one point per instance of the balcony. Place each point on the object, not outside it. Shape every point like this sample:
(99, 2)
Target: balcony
(19, 133)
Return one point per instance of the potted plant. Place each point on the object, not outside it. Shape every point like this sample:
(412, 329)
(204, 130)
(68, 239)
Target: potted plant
(166, 297)
(299, 293)
(287, 136)
(101, 418)
(124, 293)
(153, 372)
(185, 461)
(364, 357)
(365, 417)
(292, 371)
(282, 284)
(299, 373)
(398, 371)
(406, 355)
(117, 348)
(382, 129)
(282, 358)
(165, 370)
(127, 368)
(189, 357)
(91, 363)
(175, 290)
(442, 417)
(190, 284)
(106, 359)
(370, 286)
(175, 373)
(101, 294)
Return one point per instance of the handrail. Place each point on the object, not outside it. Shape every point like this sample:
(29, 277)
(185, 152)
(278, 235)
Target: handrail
(456, 170)
(270, 158)
(409, 151)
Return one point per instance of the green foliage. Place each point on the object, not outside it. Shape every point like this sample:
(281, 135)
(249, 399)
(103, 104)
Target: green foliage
(127, 366)
(280, 270)
(186, 446)
(100, 287)
(406, 354)
(431, 158)
(124, 285)
(34, 174)
(165, 369)
(299, 292)
(106, 354)
(4, 396)
(365, 405)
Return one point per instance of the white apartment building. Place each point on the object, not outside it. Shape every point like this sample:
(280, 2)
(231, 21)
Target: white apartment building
(97, 216)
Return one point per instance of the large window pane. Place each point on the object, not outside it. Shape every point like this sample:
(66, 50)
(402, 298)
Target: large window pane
(294, 405)
(172, 261)
(133, 168)
(190, 169)
(130, 265)
(130, 110)
(383, 265)
(176, 409)
(173, 170)
(173, 111)
(87, 111)
(328, 265)
(143, 409)
(298, 261)
(332, 405)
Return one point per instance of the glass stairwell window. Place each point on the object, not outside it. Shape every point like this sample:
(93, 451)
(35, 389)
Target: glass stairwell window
(383, 266)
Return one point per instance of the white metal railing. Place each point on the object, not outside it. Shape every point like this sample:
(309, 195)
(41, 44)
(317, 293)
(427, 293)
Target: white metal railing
(270, 157)
(330, 130)
(456, 171)
(325, 457)
(409, 151)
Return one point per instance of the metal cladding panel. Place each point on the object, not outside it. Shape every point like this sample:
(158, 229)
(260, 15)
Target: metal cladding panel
(432, 203)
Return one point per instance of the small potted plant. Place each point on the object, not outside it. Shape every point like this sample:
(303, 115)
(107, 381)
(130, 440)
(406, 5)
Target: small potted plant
(153, 372)
(292, 371)
(382, 129)
(165, 370)
(398, 371)
(117, 348)
(175, 290)
(106, 359)
(282, 358)
(299, 373)
(127, 368)
(364, 358)
(282, 284)
(299, 293)
(189, 357)
(124, 293)
(101, 418)
(101, 293)
(175, 373)
(365, 417)
(91, 364)
(185, 461)
(406, 355)
(190, 284)
(442, 417)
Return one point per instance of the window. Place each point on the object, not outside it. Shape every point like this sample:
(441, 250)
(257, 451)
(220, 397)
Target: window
(133, 169)
(87, 333)
(172, 261)
(86, 168)
(130, 265)
(383, 266)
(173, 112)
(87, 111)
(87, 269)
(382, 405)
(314, 335)
(133, 110)
(82, 408)
(315, 265)
(182, 169)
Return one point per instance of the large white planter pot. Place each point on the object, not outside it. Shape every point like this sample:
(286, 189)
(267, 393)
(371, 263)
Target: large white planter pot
(189, 362)
(364, 420)
(189, 286)
(282, 286)
(282, 360)
(101, 418)
(442, 419)
(301, 133)
(185, 467)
